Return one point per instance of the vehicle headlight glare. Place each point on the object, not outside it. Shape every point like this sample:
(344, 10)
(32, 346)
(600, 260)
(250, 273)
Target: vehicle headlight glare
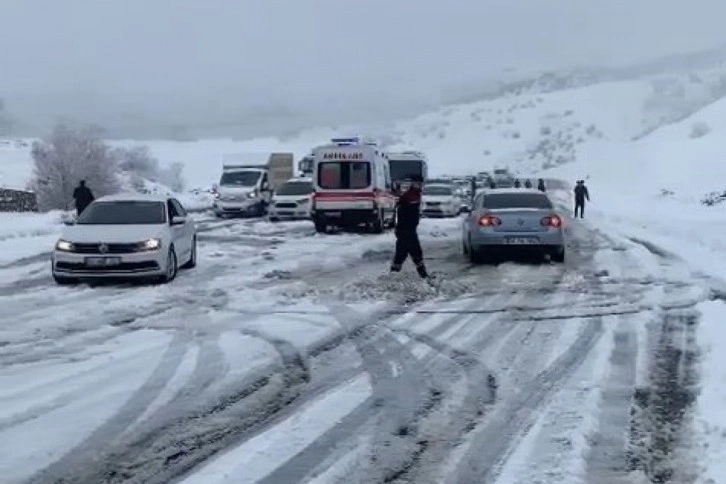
(64, 246)
(151, 244)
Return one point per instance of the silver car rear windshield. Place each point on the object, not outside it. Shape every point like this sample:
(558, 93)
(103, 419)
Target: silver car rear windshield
(517, 200)
(123, 213)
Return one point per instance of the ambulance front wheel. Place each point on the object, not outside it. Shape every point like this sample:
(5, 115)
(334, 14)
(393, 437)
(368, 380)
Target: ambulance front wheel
(378, 225)
(320, 226)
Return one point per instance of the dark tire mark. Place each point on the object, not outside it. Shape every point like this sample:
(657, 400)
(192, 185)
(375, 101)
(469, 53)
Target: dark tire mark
(659, 410)
(26, 261)
(653, 248)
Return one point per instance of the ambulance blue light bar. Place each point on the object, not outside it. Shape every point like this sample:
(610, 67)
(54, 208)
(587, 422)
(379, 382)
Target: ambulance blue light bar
(352, 141)
(346, 141)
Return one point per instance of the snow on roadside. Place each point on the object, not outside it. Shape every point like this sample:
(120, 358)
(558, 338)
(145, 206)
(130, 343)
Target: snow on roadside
(262, 454)
(28, 234)
(710, 415)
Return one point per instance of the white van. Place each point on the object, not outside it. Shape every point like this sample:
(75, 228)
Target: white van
(353, 186)
(247, 188)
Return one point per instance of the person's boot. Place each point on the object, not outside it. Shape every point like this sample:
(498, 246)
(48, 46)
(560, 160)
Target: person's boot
(421, 269)
(396, 267)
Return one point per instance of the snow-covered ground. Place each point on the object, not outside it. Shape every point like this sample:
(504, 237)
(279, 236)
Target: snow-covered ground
(288, 356)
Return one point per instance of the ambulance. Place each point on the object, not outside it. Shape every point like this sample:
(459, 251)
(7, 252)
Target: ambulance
(352, 183)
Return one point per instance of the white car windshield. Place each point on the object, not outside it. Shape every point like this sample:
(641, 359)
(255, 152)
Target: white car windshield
(240, 178)
(296, 188)
(123, 213)
(437, 191)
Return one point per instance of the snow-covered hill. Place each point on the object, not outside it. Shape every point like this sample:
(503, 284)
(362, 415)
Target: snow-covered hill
(572, 131)
(575, 131)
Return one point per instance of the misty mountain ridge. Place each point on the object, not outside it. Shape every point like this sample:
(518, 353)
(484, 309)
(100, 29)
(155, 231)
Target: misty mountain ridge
(219, 116)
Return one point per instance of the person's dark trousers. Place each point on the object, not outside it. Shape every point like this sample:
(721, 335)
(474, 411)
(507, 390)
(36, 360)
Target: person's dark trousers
(407, 243)
(580, 207)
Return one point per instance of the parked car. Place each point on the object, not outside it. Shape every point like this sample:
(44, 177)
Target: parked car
(504, 220)
(440, 200)
(128, 235)
(292, 200)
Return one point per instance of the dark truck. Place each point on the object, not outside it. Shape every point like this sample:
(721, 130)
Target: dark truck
(405, 165)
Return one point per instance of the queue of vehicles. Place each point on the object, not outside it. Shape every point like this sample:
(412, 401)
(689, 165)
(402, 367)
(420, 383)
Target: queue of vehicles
(348, 182)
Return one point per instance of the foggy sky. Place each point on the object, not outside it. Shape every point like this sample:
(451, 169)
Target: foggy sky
(170, 58)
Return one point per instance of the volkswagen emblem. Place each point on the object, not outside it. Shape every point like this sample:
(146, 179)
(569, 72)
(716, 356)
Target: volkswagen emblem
(103, 248)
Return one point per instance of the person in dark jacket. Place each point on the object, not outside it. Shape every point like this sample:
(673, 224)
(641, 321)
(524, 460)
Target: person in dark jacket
(541, 185)
(83, 197)
(517, 183)
(528, 183)
(408, 215)
(581, 194)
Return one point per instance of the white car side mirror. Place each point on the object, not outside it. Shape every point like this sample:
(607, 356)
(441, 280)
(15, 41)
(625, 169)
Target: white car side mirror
(178, 220)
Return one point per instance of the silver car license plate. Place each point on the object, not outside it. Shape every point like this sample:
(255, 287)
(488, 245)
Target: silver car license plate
(521, 240)
(102, 261)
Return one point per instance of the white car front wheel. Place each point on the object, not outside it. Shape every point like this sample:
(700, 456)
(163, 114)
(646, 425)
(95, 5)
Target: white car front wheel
(171, 268)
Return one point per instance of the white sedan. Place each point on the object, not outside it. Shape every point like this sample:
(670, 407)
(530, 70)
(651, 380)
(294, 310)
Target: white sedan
(126, 236)
(440, 200)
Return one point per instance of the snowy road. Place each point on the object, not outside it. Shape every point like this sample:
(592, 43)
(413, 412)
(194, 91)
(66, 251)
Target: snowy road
(288, 356)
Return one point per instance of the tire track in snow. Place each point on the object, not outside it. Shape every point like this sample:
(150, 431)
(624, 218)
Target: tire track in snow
(607, 460)
(491, 443)
(77, 465)
(659, 410)
(403, 393)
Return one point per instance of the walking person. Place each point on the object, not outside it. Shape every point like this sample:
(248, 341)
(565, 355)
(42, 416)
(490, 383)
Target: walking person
(528, 183)
(517, 183)
(541, 185)
(581, 194)
(407, 219)
(83, 197)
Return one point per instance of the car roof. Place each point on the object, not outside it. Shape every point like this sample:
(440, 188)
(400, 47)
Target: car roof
(514, 191)
(439, 184)
(300, 179)
(133, 197)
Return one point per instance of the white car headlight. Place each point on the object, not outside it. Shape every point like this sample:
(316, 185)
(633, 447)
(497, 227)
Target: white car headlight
(303, 201)
(151, 244)
(251, 194)
(64, 246)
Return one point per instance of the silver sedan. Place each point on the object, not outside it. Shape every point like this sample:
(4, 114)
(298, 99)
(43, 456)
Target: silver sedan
(504, 220)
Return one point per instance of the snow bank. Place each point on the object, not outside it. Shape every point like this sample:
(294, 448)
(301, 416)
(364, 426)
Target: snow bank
(28, 234)
(710, 415)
